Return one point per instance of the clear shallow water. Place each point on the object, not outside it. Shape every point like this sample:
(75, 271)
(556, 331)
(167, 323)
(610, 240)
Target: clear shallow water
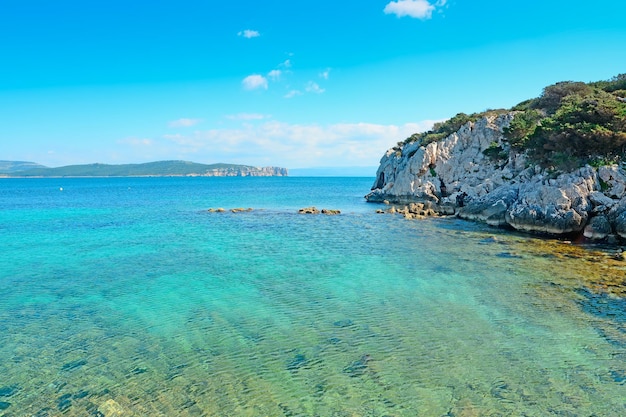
(125, 297)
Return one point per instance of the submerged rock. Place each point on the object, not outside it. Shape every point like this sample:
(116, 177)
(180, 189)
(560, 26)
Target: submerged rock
(619, 376)
(240, 210)
(297, 362)
(64, 402)
(70, 366)
(9, 390)
(358, 367)
(4, 405)
(110, 408)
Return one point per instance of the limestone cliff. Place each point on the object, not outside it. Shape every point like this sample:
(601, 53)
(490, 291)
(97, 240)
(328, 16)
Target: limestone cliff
(456, 176)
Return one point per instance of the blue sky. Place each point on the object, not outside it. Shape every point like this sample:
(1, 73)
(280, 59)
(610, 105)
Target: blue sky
(288, 83)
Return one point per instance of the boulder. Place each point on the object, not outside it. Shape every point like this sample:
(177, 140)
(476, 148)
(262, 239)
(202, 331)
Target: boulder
(612, 181)
(309, 210)
(598, 199)
(617, 217)
(558, 205)
(598, 228)
(620, 224)
(491, 208)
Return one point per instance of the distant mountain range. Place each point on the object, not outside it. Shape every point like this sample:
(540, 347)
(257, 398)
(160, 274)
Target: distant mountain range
(150, 169)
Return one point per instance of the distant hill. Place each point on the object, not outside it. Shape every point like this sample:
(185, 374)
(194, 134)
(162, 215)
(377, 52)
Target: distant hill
(156, 169)
(7, 167)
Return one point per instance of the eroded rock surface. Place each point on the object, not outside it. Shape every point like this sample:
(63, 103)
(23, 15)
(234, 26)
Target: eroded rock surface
(456, 172)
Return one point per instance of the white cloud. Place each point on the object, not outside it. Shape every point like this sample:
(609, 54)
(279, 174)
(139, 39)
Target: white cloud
(286, 64)
(275, 74)
(183, 122)
(248, 116)
(175, 137)
(133, 141)
(420, 9)
(294, 145)
(293, 93)
(249, 34)
(312, 87)
(254, 81)
(325, 74)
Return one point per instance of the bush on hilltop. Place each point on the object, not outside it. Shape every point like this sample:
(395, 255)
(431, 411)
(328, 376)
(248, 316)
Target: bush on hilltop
(570, 124)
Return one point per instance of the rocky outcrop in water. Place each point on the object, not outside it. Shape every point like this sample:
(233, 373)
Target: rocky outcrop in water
(457, 175)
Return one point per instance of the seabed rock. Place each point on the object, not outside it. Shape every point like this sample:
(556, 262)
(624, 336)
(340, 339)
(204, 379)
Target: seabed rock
(233, 210)
(314, 210)
(309, 210)
(240, 210)
(8, 390)
(358, 367)
(110, 408)
(297, 362)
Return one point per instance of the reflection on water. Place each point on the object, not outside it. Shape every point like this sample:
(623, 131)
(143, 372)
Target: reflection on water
(270, 313)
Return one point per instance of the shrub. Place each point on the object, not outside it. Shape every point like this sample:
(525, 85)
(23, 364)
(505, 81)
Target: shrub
(495, 152)
(550, 99)
(616, 83)
(584, 127)
(522, 127)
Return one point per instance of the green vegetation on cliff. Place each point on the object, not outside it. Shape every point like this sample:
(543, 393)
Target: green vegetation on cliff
(572, 124)
(443, 129)
(569, 125)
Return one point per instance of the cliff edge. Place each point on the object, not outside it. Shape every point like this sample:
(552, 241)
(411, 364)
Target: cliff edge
(476, 174)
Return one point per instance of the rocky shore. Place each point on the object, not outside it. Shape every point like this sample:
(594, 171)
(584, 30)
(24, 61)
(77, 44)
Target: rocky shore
(458, 175)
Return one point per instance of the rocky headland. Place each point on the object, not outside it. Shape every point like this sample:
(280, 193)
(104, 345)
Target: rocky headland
(487, 171)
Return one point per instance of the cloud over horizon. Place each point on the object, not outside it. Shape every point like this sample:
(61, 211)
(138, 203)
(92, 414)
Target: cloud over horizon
(419, 9)
(183, 122)
(248, 116)
(293, 145)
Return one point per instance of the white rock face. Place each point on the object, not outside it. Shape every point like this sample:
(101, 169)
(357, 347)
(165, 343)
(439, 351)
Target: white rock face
(507, 192)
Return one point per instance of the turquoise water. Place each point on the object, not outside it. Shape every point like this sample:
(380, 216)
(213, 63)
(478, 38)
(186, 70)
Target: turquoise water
(126, 297)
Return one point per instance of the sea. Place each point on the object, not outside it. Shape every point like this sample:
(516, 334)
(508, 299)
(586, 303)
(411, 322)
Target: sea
(130, 297)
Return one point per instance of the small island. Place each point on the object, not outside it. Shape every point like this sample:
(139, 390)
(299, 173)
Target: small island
(550, 165)
(12, 169)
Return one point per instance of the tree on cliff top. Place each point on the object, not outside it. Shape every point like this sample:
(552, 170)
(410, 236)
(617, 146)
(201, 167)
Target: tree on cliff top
(572, 124)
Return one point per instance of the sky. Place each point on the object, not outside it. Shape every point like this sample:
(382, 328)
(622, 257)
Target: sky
(294, 84)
